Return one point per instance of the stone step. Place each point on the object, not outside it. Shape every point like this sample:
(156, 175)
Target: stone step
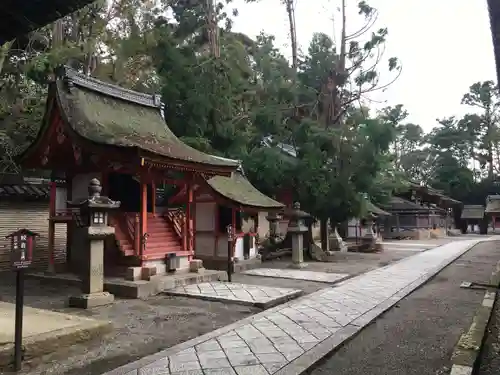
(160, 283)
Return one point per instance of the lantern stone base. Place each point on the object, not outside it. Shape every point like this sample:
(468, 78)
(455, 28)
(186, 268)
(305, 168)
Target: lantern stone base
(298, 266)
(88, 301)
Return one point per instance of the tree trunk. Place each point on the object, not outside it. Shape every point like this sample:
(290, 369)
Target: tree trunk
(330, 91)
(323, 229)
(4, 52)
(489, 144)
(293, 32)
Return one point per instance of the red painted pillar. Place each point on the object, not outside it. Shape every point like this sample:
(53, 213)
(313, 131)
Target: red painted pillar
(153, 198)
(143, 217)
(193, 224)
(189, 221)
(52, 214)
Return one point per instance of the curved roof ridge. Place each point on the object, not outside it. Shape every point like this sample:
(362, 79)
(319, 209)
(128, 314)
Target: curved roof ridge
(73, 77)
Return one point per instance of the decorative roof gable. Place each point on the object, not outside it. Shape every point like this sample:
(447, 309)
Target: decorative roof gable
(109, 115)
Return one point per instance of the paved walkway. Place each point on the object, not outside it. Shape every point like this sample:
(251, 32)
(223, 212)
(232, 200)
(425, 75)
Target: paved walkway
(323, 277)
(246, 294)
(418, 337)
(289, 338)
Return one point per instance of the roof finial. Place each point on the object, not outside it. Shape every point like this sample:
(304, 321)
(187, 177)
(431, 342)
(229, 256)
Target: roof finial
(95, 188)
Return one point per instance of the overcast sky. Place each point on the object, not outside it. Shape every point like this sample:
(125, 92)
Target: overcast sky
(444, 46)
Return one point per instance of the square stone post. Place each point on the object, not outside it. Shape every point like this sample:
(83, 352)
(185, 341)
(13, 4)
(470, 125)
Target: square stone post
(297, 229)
(370, 236)
(94, 211)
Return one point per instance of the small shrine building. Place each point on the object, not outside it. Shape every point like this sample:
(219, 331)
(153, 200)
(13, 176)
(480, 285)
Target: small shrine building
(93, 129)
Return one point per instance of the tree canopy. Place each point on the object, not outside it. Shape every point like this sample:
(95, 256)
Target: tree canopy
(225, 93)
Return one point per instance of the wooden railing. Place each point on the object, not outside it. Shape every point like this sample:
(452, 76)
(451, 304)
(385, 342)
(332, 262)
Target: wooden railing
(128, 224)
(178, 219)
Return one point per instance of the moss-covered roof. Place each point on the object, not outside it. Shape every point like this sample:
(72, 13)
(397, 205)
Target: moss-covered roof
(472, 211)
(240, 191)
(110, 115)
(18, 17)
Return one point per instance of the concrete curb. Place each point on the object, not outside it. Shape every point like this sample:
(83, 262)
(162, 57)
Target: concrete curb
(468, 348)
(45, 343)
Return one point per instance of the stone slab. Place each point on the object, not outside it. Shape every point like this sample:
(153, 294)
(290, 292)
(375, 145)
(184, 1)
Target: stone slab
(246, 294)
(44, 331)
(88, 301)
(120, 287)
(288, 339)
(322, 277)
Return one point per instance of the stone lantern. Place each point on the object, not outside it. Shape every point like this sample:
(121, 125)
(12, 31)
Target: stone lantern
(369, 236)
(94, 211)
(297, 228)
(273, 219)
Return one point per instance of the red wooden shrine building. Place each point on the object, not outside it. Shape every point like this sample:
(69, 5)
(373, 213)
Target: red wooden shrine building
(92, 129)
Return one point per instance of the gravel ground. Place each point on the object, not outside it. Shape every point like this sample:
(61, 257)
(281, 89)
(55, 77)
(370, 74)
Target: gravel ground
(489, 360)
(418, 335)
(143, 327)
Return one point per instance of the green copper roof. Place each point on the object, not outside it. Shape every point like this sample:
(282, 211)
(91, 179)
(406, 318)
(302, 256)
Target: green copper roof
(108, 114)
(239, 190)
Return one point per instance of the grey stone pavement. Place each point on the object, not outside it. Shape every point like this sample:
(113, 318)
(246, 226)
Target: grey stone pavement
(323, 277)
(257, 295)
(291, 337)
(418, 335)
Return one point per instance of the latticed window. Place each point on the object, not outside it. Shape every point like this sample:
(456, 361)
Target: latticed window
(98, 218)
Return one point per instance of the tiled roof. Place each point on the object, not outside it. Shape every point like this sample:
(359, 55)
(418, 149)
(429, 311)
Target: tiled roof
(471, 211)
(397, 204)
(284, 147)
(25, 191)
(370, 207)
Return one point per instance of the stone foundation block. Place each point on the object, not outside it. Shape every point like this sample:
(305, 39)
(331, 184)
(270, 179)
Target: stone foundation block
(88, 301)
(133, 273)
(147, 272)
(195, 265)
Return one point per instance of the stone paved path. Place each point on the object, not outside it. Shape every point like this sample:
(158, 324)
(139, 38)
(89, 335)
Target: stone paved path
(257, 295)
(323, 277)
(407, 246)
(289, 338)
